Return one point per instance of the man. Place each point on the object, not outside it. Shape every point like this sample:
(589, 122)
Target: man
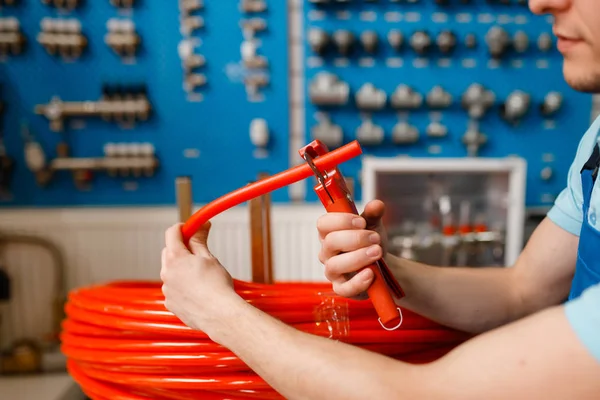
(532, 345)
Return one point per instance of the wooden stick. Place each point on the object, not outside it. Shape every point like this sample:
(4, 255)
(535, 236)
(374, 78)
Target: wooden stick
(260, 238)
(267, 235)
(183, 187)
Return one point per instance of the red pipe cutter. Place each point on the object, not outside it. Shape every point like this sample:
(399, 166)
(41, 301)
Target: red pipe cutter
(333, 192)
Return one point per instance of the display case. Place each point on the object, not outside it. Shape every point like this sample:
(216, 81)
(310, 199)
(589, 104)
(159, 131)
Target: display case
(450, 211)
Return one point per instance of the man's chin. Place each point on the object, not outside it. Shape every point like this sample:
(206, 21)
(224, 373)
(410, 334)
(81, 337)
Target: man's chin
(581, 78)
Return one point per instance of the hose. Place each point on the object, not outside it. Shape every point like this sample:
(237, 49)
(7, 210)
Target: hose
(121, 343)
(266, 185)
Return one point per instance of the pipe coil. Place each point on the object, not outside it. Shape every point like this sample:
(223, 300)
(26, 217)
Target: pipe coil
(122, 344)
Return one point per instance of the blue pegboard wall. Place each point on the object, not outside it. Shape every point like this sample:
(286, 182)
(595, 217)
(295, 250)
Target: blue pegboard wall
(548, 143)
(205, 134)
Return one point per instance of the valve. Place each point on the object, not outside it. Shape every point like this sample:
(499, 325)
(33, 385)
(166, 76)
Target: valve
(404, 97)
(344, 41)
(369, 97)
(259, 132)
(551, 104)
(35, 157)
(252, 26)
(498, 41)
(395, 39)
(369, 134)
(327, 89)
(446, 41)
(63, 37)
(12, 39)
(438, 98)
(404, 133)
(473, 139)
(189, 59)
(122, 104)
(122, 37)
(420, 42)
(520, 42)
(318, 40)
(477, 100)
(436, 130)
(120, 159)
(369, 41)
(546, 173)
(188, 24)
(253, 6)
(250, 58)
(328, 133)
(516, 106)
(471, 41)
(544, 42)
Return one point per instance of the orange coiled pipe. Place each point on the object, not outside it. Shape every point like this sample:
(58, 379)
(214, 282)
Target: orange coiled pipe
(122, 344)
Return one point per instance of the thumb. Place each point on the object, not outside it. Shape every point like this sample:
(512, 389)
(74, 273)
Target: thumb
(373, 213)
(198, 243)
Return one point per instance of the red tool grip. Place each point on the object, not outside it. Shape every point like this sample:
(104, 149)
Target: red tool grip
(378, 292)
(335, 196)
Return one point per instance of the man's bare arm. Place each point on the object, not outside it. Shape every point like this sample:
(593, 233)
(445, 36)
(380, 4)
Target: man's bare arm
(536, 357)
(478, 299)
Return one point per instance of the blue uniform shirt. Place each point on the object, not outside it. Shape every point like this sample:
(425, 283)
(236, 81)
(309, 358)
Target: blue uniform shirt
(583, 313)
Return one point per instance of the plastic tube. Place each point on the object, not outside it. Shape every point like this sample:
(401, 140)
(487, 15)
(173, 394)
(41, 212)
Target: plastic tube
(122, 343)
(269, 184)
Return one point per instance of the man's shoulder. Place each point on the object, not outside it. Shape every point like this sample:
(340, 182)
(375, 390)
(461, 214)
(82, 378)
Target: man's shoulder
(592, 218)
(588, 141)
(567, 211)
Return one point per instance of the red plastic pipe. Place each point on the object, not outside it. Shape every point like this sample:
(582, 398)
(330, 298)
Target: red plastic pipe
(121, 342)
(267, 185)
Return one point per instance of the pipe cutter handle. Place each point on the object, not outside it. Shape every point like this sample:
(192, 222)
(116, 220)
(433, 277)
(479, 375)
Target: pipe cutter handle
(333, 193)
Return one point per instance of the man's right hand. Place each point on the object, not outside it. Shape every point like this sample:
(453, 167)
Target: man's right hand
(349, 243)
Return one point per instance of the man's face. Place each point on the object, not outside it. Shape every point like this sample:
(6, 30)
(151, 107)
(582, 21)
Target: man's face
(577, 28)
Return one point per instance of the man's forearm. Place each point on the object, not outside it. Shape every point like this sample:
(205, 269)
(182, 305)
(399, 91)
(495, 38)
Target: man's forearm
(468, 299)
(520, 360)
(303, 366)
(478, 299)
